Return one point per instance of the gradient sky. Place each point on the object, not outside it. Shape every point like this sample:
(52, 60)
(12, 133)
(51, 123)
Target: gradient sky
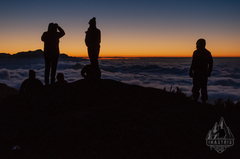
(128, 27)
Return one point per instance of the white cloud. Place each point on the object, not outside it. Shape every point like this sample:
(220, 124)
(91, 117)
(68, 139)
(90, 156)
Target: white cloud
(157, 73)
(4, 74)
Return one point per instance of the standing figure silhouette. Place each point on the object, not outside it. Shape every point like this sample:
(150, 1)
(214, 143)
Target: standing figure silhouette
(92, 41)
(51, 50)
(200, 70)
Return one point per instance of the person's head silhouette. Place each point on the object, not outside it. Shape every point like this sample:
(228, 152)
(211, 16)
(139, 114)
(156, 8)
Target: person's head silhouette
(201, 43)
(52, 27)
(92, 22)
(32, 74)
(60, 77)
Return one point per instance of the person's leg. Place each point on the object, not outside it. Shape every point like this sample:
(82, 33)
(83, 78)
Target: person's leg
(196, 88)
(90, 53)
(54, 68)
(93, 53)
(47, 70)
(204, 95)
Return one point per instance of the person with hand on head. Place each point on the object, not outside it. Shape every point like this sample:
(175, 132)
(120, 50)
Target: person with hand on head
(51, 50)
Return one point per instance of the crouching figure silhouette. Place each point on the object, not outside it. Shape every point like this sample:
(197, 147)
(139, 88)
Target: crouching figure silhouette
(91, 73)
(60, 79)
(31, 84)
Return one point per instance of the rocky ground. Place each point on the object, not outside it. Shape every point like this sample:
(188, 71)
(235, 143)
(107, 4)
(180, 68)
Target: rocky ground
(109, 119)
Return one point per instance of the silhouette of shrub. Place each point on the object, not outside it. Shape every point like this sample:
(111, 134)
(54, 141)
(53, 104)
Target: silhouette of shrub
(180, 92)
(177, 91)
(229, 103)
(219, 102)
(237, 104)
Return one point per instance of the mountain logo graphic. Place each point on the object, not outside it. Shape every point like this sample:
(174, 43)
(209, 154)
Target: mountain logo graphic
(220, 137)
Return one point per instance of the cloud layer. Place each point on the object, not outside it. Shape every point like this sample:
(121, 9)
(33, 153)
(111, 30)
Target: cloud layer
(148, 72)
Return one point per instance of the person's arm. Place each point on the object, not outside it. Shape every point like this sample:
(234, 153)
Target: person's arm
(61, 31)
(22, 87)
(210, 65)
(192, 67)
(191, 71)
(86, 38)
(83, 72)
(40, 83)
(99, 37)
(43, 38)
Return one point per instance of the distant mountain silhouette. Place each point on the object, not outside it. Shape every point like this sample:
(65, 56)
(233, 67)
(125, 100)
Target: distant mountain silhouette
(109, 119)
(4, 55)
(33, 54)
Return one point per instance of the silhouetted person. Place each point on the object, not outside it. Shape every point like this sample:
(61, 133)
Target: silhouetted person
(201, 68)
(31, 84)
(51, 50)
(92, 41)
(60, 79)
(90, 72)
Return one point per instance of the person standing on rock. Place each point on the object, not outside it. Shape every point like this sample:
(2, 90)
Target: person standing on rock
(200, 70)
(51, 50)
(92, 41)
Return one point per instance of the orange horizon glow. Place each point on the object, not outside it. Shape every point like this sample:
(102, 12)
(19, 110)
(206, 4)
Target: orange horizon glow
(158, 47)
(81, 51)
(136, 55)
(127, 43)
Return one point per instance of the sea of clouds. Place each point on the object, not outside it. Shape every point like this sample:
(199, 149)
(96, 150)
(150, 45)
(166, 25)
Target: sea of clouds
(148, 72)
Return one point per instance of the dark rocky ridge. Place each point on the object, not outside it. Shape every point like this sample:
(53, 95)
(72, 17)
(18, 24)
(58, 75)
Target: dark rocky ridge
(34, 55)
(110, 119)
(6, 91)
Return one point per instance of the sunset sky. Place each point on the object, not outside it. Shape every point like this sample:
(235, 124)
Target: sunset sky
(128, 27)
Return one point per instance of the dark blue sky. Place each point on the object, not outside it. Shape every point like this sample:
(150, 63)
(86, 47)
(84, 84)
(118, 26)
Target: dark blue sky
(152, 24)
